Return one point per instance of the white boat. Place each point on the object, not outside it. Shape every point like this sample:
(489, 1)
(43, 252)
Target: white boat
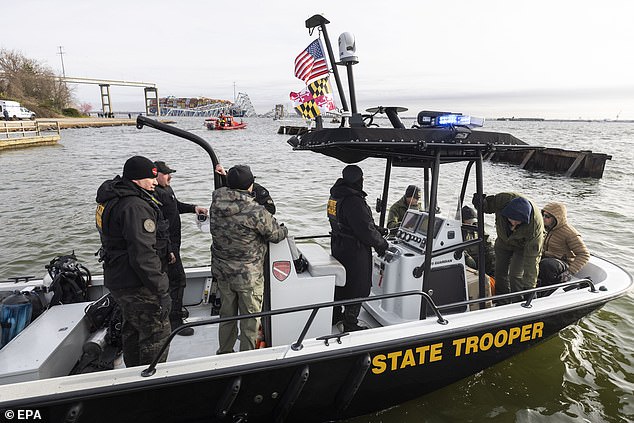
(430, 320)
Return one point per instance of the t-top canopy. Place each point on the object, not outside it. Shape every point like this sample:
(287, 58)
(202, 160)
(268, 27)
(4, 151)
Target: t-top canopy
(407, 147)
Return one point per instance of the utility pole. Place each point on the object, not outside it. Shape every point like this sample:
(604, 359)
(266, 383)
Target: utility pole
(234, 92)
(61, 56)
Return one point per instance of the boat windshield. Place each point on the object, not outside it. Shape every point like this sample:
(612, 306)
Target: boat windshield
(409, 221)
(422, 226)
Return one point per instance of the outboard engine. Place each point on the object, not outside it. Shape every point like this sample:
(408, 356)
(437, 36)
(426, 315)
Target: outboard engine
(15, 315)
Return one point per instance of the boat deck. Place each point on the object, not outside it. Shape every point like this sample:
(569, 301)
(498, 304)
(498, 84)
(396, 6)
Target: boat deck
(204, 341)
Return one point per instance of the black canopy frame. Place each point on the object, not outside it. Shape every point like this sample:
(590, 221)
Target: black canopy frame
(426, 148)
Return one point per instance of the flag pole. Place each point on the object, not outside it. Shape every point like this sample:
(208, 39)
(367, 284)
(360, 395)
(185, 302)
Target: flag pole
(320, 21)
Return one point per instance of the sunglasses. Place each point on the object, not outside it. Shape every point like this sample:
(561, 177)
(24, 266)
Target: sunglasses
(547, 215)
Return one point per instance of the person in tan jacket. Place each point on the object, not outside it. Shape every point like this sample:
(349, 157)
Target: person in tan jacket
(562, 240)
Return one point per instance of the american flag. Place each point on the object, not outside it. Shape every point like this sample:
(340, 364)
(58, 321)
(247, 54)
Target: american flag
(311, 62)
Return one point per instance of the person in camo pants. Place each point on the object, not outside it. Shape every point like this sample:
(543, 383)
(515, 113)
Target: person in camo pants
(240, 229)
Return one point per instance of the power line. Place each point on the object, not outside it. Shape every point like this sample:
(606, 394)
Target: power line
(61, 56)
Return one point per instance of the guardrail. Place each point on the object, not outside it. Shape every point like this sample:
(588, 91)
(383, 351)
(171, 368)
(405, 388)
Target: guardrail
(27, 129)
(527, 297)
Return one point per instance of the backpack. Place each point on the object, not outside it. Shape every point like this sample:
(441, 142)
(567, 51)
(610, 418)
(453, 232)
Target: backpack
(70, 280)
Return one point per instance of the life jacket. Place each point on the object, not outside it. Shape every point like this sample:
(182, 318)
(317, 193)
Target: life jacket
(111, 246)
(163, 244)
(333, 211)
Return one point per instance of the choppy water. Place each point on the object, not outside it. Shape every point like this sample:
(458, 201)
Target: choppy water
(584, 374)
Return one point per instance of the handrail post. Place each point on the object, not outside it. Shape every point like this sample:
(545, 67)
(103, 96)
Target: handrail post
(298, 345)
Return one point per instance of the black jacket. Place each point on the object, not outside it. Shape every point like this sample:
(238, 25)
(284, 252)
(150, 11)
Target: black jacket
(172, 208)
(129, 223)
(352, 237)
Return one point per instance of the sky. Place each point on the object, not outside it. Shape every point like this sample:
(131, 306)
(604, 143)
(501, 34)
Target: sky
(556, 59)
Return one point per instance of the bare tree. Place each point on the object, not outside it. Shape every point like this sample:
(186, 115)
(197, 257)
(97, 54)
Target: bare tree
(29, 81)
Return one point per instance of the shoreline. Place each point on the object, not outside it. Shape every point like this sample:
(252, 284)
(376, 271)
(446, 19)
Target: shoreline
(88, 122)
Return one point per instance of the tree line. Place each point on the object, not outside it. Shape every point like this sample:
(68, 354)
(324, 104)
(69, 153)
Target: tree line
(33, 84)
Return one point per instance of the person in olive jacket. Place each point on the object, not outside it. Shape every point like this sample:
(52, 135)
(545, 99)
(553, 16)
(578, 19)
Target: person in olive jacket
(134, 242)
(353, 236)
(520, 235)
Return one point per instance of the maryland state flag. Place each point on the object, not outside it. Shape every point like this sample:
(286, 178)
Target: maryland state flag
(315, 99)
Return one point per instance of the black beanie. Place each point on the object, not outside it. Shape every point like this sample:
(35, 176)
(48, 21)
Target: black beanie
(239, 177)
(139, 167)
(412, 191)
(352, 173)
(468, 213)
(519, 209)
(353, 176)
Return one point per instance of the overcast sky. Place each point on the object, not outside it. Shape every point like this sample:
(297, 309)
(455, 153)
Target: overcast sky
(551, 59)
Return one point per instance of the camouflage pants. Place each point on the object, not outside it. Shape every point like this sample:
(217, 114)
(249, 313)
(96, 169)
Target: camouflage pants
(238, 298)
(144, 329)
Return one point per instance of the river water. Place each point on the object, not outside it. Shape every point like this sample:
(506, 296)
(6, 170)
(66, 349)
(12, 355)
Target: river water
(584, 374)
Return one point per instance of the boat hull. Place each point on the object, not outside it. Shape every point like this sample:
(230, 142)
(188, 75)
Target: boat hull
(327, 385)
(227, 128)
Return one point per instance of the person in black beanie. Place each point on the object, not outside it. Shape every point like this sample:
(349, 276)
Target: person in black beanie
(133, 251)
(259, 193)
(171, 209)
(353, 236)
(410, 200)
(241, 230)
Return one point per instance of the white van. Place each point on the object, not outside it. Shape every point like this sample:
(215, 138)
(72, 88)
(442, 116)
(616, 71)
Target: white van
(14, 110)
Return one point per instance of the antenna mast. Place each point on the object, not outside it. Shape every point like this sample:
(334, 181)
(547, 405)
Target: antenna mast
(61, 56)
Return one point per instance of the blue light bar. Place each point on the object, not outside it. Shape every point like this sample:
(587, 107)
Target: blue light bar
(459, 120)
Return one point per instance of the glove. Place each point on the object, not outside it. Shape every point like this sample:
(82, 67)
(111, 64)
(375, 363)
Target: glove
(380, 251)
(382, 231)
(166, 306)
(478, 200)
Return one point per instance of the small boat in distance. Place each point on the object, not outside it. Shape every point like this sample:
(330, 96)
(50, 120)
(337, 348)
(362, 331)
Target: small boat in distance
(224, 122)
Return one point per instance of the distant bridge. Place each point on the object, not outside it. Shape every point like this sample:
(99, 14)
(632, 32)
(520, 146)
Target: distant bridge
(242, 103)
(241, 107)
(149, 89)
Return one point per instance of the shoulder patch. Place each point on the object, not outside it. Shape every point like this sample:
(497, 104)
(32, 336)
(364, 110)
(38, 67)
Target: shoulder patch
(149, 225)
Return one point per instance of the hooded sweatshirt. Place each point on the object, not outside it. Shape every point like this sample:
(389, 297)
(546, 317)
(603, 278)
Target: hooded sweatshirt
(563, 241)
(241, 229)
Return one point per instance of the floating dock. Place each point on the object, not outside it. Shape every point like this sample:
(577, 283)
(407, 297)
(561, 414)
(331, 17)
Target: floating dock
(576, 164)
(20, 134)
(292, 130)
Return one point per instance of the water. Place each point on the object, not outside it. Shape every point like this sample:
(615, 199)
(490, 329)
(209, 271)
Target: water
(584, 374)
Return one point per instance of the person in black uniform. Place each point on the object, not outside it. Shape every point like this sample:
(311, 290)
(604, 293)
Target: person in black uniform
(352, 238)
(260, 194)
(172, 208)
(134, 244)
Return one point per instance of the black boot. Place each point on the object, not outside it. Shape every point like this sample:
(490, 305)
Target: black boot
(183, 332)
(350, 321)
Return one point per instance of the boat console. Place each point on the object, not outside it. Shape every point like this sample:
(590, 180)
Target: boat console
(394, 272)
